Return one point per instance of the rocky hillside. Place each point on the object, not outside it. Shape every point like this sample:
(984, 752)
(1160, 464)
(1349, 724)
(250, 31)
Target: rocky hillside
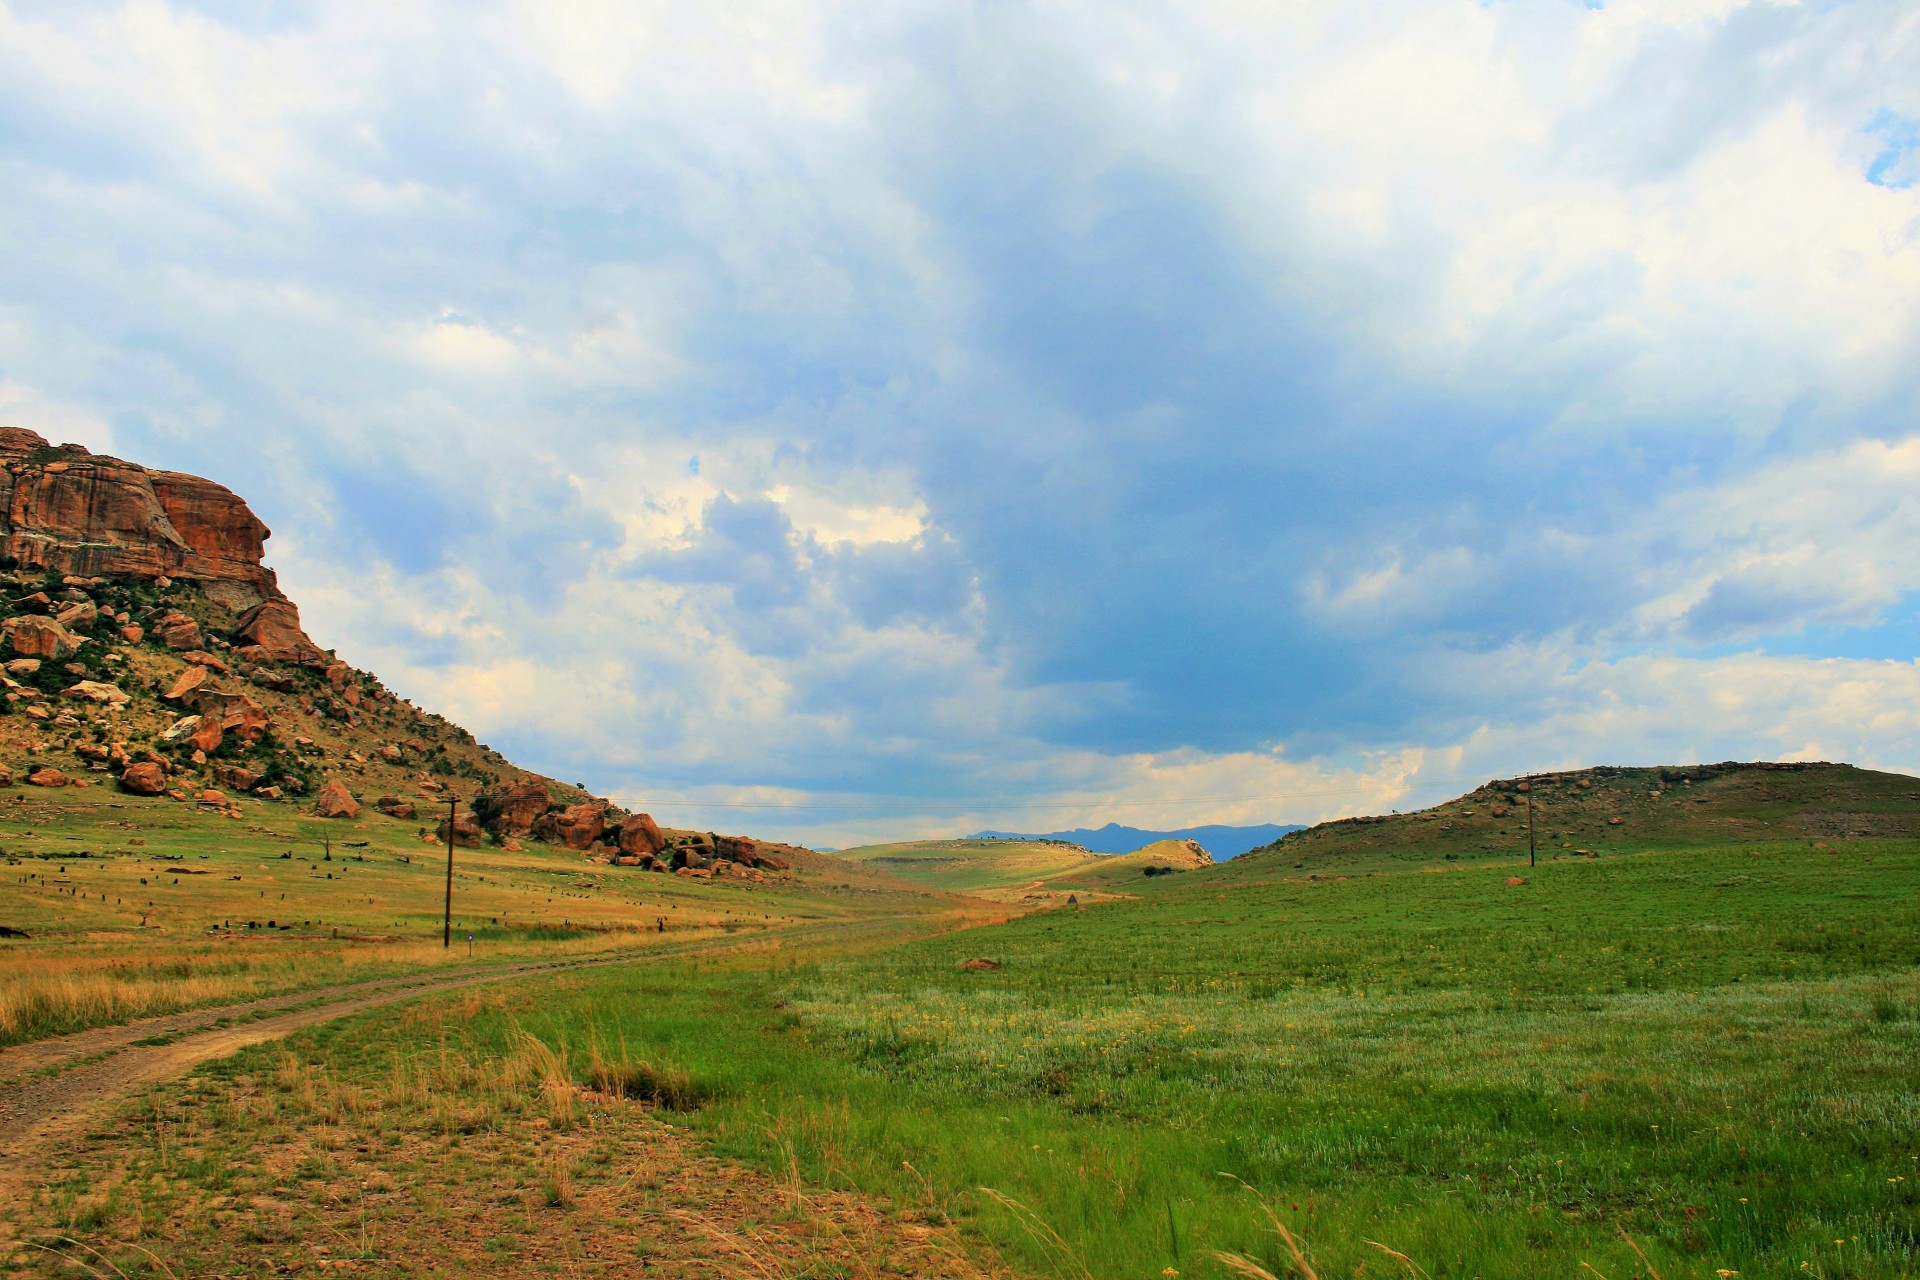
(1591, 812)
(147, 647)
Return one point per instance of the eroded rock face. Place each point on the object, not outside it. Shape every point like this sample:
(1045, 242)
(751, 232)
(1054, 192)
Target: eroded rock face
(84, 515)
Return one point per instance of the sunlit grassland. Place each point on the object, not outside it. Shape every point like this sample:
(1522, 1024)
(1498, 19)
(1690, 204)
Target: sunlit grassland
(1709, 1050)
(205, 909)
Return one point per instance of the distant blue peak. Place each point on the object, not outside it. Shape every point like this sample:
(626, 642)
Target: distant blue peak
(1221, 841)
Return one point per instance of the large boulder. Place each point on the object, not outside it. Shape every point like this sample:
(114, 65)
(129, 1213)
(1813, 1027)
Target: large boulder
(176, 630)
(577, 826)
(466, 831)
(271, 632)
(395, 807)
(98, 691)
(337, 802)
(82, 615)
(234, 713)
(185, 683)
(640, 836)
(33, 636)
(143, 778)
(47, 776)
(512, 811)
(235, 778)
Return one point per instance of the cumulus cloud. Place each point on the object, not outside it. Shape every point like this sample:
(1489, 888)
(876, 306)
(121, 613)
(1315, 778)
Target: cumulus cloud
(1014, 406)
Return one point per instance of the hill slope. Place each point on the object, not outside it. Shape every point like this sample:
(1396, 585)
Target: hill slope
(1033, 871)
(1607, 809)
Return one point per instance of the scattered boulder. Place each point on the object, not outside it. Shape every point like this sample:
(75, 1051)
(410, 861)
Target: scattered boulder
(82, 616)
(37, 602)
(236, 778)
(6, 776)
(392, 754)
(33, 636)
(980, 965)
(187, 681)
(395, 807)
(1516, 880)
(233, 712)
(577, 826)
(47, 776)
(337, 802)
(212, 799)
(1614, 822)
(512, 810)
(640, 836)
(466, 831)
(278, 681)
(268, 793)
(176, 630)
(271, 632)
(133, 633)
(201, 658)
(23, 666)
(98, 691)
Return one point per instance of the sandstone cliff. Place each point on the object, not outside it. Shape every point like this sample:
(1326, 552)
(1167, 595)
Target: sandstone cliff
(71, 512)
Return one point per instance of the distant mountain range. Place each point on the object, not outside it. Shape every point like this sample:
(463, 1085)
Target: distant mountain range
(1221, 842)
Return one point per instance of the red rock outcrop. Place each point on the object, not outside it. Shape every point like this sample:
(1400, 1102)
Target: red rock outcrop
(640, 836)
(513, 810)
(577, 826)
(80, 514)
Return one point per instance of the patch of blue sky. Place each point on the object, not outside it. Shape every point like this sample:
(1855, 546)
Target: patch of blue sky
(1897, 163)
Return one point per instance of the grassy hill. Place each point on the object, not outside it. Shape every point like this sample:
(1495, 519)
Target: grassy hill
(1030, 871)
(1607, 810)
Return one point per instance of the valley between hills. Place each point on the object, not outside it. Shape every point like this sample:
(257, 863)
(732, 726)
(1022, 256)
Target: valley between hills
(1626, 1021)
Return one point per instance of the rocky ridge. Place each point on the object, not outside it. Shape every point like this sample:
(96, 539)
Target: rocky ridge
(145, 642)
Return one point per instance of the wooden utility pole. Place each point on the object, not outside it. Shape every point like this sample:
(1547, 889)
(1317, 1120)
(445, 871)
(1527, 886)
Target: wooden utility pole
(453, 813)
(1529, 826)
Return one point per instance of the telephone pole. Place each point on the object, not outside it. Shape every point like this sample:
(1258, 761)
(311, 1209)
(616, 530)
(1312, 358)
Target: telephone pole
(1529, 828)
(453, 813)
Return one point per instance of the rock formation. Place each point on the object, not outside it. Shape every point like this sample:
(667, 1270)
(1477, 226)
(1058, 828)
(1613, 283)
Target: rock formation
(73, 512)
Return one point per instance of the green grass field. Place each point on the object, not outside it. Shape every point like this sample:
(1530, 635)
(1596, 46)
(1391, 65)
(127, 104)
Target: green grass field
(1712, 1051)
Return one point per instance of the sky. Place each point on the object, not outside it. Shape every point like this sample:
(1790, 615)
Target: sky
(843, 422)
